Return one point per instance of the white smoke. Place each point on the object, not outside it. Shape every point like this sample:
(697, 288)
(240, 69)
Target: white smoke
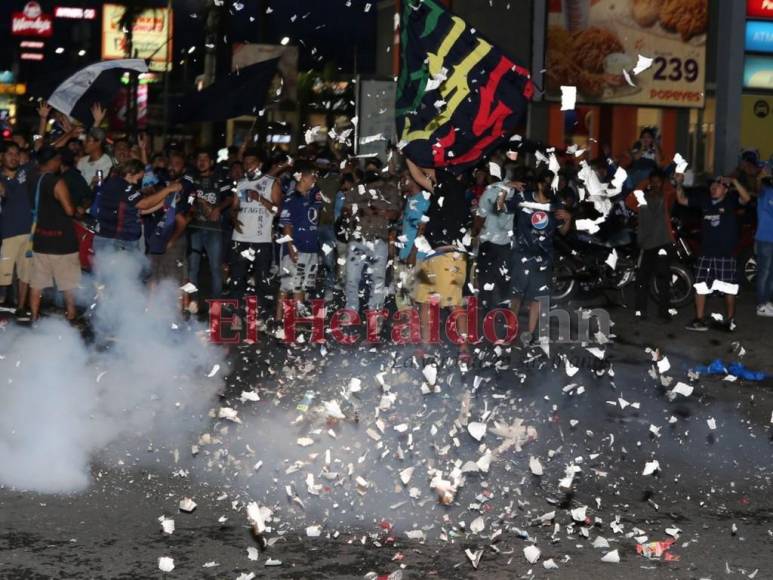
(142, 383)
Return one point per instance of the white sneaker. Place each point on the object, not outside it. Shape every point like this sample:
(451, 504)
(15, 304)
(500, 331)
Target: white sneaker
(765, 309)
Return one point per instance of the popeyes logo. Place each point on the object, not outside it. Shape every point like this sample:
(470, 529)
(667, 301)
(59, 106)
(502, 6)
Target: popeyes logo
(32, 22)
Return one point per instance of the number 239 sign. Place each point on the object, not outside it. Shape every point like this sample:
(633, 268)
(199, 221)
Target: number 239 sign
(592, 44)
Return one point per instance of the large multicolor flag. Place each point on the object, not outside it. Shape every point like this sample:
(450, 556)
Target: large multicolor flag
(458, 96)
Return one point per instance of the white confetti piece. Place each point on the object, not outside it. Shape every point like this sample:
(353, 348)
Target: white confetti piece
(535, 466)
(568, 98)
(167, 525)
(642, 64)
(532, 554)
(477, 525)
(612, 557)
(724, 287)
(477, 430)
(681, 164)
(611, 260)
(682, 389)
(187, 505)
(165, 564)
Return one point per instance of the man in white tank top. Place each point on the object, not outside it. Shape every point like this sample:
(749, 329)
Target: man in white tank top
(256, 203)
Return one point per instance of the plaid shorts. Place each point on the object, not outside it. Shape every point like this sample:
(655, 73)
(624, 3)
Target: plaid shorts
(710, 269)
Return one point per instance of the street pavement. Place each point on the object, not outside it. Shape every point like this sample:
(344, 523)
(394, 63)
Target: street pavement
(594, 432)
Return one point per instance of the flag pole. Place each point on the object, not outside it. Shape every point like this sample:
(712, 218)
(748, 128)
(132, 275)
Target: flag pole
(396, 41)
(167, 72)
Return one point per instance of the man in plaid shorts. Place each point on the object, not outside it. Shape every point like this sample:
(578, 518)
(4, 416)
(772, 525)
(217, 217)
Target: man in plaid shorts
(717, 269)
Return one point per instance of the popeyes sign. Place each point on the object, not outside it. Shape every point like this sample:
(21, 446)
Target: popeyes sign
(32, 22)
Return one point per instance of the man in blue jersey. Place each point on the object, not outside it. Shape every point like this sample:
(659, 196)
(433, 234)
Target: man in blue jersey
(15, 225)
(536, 221)
(299, 222)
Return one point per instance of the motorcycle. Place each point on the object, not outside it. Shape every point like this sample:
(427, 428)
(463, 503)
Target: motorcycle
(581, 266)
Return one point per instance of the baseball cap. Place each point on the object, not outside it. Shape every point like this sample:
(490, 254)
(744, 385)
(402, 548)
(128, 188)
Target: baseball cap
(47, 153)
(750, 156)
(98, 134)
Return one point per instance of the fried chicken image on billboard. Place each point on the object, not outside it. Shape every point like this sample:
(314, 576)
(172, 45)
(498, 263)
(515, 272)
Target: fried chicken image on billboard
(687, 17)
(646, 12)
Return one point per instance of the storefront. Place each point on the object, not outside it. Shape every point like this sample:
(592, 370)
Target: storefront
(597, 46)
(757, 99)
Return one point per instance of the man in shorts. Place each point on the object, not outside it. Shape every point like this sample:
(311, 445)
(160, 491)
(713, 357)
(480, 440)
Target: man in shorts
(717, 270)
(15, 224)
(536, 222)
(299, 221)
(440, 276)
(55, 258)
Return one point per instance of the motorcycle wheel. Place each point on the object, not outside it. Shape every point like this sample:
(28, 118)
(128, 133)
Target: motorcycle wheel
(747, 268)
(681, 286)
(750, 271)
(564, 283)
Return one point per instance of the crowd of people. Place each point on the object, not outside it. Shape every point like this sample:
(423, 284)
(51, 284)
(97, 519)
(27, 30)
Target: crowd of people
(356, 231)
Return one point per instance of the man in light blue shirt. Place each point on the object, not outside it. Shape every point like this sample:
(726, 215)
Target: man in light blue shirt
(416, 205)
(496, 230)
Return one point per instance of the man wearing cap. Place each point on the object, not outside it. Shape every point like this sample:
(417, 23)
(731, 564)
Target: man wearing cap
(370, 207)
(716, 269)
(95, 163)
(54, 243)
(749, 170)
(15, 225)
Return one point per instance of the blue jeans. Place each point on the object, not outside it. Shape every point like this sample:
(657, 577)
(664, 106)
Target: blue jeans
(372, 255)
(764, 251)
(210, 241)
(103, 247)
(328, 243)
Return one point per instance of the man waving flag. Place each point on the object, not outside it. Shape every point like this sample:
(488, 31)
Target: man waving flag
(458, 96)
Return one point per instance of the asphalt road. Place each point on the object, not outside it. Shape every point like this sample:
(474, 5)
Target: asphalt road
(712, 489)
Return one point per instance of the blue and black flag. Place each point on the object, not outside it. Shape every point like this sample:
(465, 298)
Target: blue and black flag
(241, 92)
(458, 96)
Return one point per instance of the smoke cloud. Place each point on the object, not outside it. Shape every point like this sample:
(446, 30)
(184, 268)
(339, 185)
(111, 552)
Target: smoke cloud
(141, 383)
